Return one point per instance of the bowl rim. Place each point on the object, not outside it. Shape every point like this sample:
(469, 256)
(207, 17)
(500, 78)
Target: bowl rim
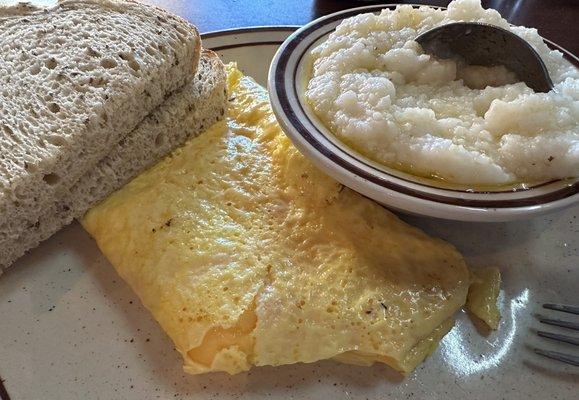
(392, 190)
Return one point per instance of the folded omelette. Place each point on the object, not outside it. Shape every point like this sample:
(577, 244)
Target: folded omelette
(246, 254)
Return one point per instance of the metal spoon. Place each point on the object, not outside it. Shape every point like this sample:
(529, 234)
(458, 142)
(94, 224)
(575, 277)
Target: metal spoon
(488, 45)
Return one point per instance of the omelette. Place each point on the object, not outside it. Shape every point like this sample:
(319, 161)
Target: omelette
(248, 255)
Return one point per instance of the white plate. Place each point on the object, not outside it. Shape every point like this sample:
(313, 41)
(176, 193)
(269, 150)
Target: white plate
(290, 70)
(70, 328)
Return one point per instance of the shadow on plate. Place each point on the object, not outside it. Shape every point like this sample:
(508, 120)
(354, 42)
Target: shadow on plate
(552, 370)
(474, 238)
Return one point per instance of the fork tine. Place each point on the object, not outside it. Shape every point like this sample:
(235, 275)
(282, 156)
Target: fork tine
(558, 337)
(562, 308)
(558, 322)
(573, 360)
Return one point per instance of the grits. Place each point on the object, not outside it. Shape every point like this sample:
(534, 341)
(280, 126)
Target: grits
(376, 91)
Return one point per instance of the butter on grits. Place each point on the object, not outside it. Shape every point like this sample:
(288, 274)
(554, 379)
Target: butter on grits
(246, 255)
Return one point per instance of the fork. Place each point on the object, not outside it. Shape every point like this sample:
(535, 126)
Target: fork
(555, 355)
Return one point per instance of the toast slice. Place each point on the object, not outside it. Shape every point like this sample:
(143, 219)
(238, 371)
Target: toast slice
(187, 113)
(75, 80)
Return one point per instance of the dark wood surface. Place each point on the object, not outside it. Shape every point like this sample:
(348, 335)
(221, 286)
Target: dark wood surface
(556, 20)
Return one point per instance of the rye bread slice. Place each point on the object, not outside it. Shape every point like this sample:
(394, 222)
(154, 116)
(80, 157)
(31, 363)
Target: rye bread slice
(75, 79)
(187, 113)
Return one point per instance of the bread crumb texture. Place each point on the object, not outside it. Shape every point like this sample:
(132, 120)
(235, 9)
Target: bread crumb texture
(74, 80)
(186, 113)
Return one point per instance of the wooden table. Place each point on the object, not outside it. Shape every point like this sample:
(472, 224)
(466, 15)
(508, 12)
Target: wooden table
(557, 20)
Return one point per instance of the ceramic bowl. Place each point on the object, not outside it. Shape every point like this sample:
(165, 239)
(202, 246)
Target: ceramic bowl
(288, 76)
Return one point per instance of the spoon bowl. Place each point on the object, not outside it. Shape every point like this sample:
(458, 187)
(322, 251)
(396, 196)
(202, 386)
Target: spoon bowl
(489, 46)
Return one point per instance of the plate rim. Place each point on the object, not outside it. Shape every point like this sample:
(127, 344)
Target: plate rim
(250, 29)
